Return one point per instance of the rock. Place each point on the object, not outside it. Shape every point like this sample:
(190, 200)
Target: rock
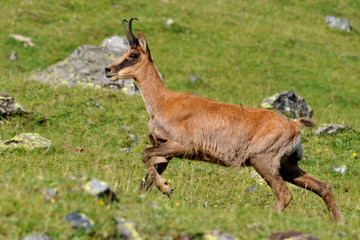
(133, 137)
(293, 235)
(99, 188)
(127, 229)
(36, 237)
(256, 226)
(169, 22)
(218, 235)
(288, 104)
(85, 67)
(96, 187)
(49, 194)
(154, 205)
(79, 221)
(251, 189)
(127, 149)
(194, 78)
(12, 56)
(28, 141)
(97, 104)
(329, 129)
(339, 23)
(27, 40)
(9, 106)
(116, 44)
(124, 127)
(342, 169)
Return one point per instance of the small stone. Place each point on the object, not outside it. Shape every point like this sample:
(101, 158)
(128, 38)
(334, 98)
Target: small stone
(79, 221)
(330, 129)
(133, 137)
(218, 235)
(342, 234)
(27, 40)
(49, 194)
(342, 169)
(12, 56)
(8, 105)
(293, 235)
(256, 226)
(169, 22)
(251, 189)
(36, 237)
(338, 23)
(127, 229)
(96, 187)
(154, 205)
(125, 149)
(194, 78)
(124, 127)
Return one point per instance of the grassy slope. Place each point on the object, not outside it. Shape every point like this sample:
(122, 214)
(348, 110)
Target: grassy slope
(243, 53)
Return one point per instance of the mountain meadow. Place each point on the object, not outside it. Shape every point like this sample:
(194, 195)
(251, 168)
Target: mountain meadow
(240, 52)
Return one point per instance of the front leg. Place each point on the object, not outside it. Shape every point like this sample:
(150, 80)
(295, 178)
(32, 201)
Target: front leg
(162, 151)
(160, 164)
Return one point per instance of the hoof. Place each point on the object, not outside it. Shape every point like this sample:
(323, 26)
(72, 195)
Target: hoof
(142, 187)
(171, 193)
(145, 185)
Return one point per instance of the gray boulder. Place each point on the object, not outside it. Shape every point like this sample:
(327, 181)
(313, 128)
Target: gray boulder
(338, 23)
(85, 67)
(28, 141)
(288, 104)
(12, 56)
(9, 106)
(329, 129)
(127, 229)
(36, 237)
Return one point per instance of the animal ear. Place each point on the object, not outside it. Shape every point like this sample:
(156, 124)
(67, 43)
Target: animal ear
(142, 41)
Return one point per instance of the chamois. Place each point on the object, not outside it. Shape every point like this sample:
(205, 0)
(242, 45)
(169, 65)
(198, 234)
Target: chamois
(188, 126)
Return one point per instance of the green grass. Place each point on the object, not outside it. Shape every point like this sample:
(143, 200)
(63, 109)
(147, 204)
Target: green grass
(243, 52)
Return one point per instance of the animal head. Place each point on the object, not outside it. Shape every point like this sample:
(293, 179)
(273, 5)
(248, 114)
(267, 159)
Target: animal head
(128, 66)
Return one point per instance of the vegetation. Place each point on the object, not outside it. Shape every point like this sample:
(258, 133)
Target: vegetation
(243, 51)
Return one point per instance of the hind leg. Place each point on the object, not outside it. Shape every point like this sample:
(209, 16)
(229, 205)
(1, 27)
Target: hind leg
(291, 172)
(274, 180)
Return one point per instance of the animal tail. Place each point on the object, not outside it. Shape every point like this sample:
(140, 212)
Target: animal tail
(305, 123)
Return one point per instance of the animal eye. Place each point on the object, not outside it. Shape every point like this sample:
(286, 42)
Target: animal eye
(133, 56)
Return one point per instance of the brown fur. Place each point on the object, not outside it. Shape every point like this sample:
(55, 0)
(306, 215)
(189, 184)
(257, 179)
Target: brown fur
(189, 126)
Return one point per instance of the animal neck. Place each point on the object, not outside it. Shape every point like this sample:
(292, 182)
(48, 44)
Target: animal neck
(152, 88)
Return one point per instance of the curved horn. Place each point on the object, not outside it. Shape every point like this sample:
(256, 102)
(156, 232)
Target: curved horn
(133, 38)
(129, 34)
(125, 29)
